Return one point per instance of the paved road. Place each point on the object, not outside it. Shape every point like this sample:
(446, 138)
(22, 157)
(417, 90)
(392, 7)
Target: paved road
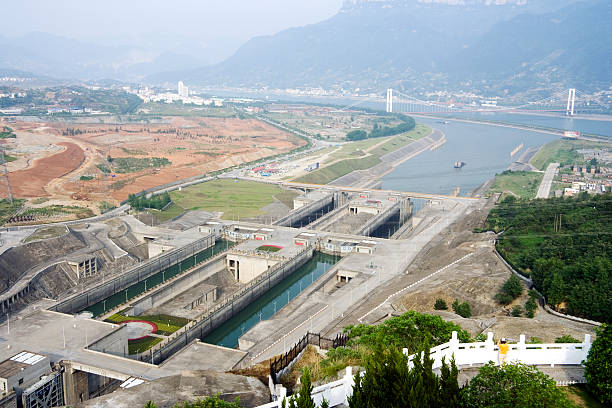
(544, 190)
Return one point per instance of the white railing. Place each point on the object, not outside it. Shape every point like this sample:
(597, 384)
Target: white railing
(335, 393)
(532, 354)
(465, 354)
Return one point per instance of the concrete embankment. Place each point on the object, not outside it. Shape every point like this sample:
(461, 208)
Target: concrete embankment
(91, 296)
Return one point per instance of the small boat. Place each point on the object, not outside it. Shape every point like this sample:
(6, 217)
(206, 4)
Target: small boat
(459, 164)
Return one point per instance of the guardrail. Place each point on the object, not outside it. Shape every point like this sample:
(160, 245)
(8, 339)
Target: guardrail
(532, 354)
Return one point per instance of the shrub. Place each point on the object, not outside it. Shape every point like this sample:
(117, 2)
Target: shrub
(440, 304)
(464, 310)
(567, 339)
(513, 385)
(517, 311)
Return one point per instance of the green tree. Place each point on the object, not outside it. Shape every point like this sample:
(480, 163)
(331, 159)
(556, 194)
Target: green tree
(354, 135)
(530, 307)
(455, 305)
(512, 385)
(150, 404)
(510, 290)
(464, 310)
(598, 366)
(389, 382)
(303, 398)
(440, 304)
(517, 311)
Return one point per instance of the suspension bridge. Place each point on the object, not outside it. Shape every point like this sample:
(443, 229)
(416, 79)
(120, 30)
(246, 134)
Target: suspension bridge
(568, 102)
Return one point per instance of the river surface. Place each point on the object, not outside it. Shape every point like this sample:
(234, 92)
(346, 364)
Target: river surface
(484, 148)
(266, 306)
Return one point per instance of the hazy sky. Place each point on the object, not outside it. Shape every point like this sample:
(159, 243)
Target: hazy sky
(131, 20)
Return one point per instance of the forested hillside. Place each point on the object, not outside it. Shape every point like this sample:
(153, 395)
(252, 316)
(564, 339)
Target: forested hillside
(564, 245)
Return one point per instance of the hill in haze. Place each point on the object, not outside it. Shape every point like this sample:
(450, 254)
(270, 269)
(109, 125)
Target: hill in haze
(494, 46)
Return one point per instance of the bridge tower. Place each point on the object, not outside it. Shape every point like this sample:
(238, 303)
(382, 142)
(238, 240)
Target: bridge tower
(389, 100)
(571, 100)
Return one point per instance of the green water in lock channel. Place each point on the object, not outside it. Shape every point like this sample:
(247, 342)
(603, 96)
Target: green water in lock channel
(267, 305)
(136, 289)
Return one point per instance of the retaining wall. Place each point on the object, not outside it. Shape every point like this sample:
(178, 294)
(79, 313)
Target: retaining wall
(181, 284)
(302, 212)
(137, 274)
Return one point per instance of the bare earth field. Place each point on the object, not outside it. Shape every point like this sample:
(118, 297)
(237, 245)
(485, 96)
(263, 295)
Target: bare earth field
(52, 157)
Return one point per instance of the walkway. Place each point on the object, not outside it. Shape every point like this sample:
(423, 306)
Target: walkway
(544, 190)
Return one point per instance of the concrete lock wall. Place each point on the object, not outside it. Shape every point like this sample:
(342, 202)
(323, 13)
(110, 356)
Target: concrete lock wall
(379, 219)
(115, 343)
(230, 307)
(294, 215)
(181, 284)
(137, 274)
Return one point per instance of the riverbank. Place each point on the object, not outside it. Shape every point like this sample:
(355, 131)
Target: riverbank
(372, 177)
(355, 158)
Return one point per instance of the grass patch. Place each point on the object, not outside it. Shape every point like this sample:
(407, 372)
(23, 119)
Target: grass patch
(178, 109)
(206, 153)
(105, 206)
(134, 164)
(172, 211)
(286, 197)
(86, 178)
(103, 168)
(8, 159)
(563, 152)
(269, 248)
(139, 346)
(134, 151)
(239, 200)
(332, 172)
(7, 133)
(7, 209)
(389, 144)
(580, 396)
(349, 150)
(46, 233)
(524, 184)
(40, 200)
(118, 185)
(60, 211)
(166, 324)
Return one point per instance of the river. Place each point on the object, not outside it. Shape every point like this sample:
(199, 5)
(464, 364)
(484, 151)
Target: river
(484, 148)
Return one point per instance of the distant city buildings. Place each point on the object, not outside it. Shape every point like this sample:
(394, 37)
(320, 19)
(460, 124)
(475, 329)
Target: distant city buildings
(182, 95)
(183, 91)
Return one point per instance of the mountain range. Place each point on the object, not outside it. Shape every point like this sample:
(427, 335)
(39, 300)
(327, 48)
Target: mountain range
(490, 46)
(495, 46)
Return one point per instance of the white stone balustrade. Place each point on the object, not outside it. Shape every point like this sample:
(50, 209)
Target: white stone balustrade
(465, 354)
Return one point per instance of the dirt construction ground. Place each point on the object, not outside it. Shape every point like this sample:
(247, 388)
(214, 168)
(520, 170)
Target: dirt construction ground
(475, 280)
(52, 157)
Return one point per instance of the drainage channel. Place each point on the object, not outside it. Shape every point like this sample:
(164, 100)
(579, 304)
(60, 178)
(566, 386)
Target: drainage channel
(98, 309)
(266, 306)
